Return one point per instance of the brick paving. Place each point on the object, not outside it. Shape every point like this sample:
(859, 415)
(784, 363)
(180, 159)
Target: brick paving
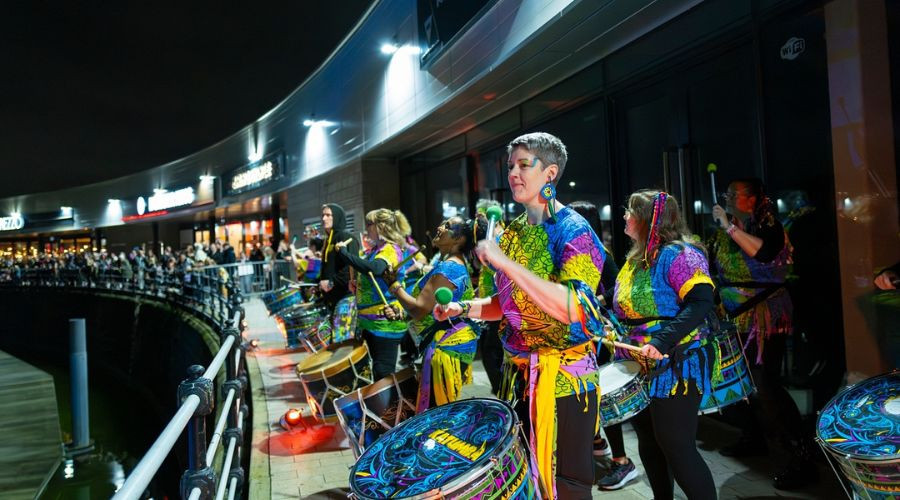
(315, 463)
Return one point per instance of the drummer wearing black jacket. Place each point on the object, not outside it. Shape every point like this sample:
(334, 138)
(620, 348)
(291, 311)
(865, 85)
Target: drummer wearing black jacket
(335, 276)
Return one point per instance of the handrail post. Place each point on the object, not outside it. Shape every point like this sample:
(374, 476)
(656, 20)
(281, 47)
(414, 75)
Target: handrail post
(199, 474)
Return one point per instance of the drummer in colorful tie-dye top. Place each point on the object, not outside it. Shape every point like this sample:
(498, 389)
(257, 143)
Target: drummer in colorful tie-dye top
(451, 345)
(384, 231)
(663, 294)
(548, 264)
(752, 257)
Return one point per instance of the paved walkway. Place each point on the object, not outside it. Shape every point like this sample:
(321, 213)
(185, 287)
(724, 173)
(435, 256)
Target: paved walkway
(315, 463)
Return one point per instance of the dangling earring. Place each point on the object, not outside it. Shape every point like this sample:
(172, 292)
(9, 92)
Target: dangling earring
(548, 192)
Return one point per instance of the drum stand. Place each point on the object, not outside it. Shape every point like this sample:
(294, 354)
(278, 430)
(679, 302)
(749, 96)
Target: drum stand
(319, 405)
(358, 447)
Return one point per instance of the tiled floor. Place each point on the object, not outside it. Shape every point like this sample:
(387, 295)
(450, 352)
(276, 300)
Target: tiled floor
(315, 463)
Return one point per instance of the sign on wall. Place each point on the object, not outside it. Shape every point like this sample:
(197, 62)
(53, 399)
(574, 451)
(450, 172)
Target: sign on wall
(253, 176)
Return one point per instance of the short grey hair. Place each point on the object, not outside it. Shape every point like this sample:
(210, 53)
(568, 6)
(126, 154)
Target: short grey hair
(547, 147)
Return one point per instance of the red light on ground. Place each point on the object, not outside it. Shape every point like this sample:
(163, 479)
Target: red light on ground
(293, 416)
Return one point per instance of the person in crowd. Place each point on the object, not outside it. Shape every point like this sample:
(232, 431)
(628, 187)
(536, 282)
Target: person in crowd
(449, 347)
(215, 252)
(334, 279)
(385, 231)
(489, 341)
(662, 296)
(752, 258)
(228, 254)
(622, 469)
(548, 264)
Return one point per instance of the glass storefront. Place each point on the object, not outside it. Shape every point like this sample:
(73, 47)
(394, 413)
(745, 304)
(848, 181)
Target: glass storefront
(244, 234)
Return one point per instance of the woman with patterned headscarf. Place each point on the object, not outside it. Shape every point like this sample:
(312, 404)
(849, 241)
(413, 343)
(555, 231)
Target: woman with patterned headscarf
(662, 296)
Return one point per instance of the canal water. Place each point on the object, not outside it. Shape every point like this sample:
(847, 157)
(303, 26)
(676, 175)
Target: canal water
(122, 429)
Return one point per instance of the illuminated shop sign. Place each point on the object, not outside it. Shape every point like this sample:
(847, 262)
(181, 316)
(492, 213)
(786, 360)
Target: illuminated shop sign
(12, 223)
(166, 200)
(252, 177)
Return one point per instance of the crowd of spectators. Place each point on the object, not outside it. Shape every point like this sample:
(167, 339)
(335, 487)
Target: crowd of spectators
(141, 267)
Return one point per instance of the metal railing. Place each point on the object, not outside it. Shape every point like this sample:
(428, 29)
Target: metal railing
(254, 277)
(207, 292)
(211, 294)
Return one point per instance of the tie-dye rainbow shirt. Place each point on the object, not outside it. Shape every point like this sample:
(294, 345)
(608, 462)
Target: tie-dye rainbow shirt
(657, 291)
(564, 250)
(368, 301)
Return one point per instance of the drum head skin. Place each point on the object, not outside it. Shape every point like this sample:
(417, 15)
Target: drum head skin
(863, 421)
(614, 376)
(433, 449)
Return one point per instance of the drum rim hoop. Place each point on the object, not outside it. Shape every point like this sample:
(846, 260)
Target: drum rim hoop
(337, 366)
(387, 383)
(458, 481)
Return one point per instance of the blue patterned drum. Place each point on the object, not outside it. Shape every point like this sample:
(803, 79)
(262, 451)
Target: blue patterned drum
(860, 428)
(343, 326)
(280, 299)
(466, 449)
(736, 383)
(623, 392)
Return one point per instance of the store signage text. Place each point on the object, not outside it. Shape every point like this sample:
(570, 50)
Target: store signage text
(166, 200)
(12, 223)
(255, 175)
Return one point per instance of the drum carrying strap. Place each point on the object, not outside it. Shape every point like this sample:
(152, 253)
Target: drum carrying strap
(767, 290)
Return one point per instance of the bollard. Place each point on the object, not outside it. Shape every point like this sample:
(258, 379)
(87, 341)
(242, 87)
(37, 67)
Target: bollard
(81, 434)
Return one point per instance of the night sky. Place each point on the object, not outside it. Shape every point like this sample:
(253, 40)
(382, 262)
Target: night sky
(93, 91)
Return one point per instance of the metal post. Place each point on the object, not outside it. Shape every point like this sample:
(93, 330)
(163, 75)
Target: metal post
(199, 474)
(81, 435)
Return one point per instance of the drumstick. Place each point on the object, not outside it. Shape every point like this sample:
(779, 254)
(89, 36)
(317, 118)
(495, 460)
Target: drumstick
(407, 259)
(627, 347)
(380, 294)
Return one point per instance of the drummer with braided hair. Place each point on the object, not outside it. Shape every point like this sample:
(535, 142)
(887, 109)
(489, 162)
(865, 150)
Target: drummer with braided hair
(450, 346)
(662, 296)
(385, 230)
(548, 265)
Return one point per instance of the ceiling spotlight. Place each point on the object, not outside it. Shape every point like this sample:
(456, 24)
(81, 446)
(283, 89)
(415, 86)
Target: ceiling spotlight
(308, 123)
(207, 178)
(389, 48)
(112, 201)
(571, 184)
(159, 190)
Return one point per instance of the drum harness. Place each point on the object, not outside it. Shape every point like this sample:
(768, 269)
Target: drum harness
(366, 412)
(329, 387)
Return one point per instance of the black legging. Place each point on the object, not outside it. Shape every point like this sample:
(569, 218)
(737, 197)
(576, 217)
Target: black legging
(574, 444)
(616, 440)
(383, 353)
(492, 354)
(667, 433)
(773, 409)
